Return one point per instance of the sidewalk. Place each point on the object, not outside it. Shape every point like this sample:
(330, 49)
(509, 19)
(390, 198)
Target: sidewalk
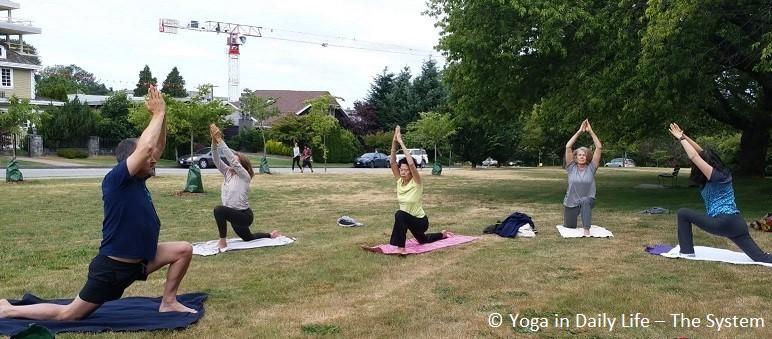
(50, 162)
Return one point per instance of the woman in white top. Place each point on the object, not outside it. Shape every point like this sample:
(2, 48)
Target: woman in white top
(296, 157)
(234, 193)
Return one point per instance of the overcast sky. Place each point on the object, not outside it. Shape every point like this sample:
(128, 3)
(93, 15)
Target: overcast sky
(115, 39)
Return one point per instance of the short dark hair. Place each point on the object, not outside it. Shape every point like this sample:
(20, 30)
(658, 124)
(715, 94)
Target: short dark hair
(125, 148)
(712, 158)
(402, 161)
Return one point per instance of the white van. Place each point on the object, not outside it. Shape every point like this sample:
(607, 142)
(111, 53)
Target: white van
(419, 155)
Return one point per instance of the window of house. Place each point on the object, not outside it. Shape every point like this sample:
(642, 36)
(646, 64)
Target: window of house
(6, 77)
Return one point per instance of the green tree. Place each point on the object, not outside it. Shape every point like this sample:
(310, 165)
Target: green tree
(174, 85)
(378, 141)
(185, 121)
(115, 124)
(69, 125)
(431, 130)
(378, 97)
(145, 78)
(714, 59)
(428, 90)
(290, 129)
(259, 108)
(630, 66)
(402, 108)
(55, 82)
(321, 122)
(19, 112)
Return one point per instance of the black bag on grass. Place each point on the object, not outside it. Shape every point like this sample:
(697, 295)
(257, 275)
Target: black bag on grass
(509, 227)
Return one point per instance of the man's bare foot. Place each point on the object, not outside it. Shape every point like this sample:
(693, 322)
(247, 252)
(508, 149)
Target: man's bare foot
(586, 232)
(275, 234)
(176, 306)
(447, 234)
(4, 305)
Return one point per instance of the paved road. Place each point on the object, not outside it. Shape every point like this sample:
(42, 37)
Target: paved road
(33, 173)
(50, 162)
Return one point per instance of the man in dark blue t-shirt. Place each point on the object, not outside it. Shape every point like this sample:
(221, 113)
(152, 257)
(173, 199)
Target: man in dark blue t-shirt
(130, 249)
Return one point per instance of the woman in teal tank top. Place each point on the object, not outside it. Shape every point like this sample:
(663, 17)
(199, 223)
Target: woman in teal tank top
(411, 215)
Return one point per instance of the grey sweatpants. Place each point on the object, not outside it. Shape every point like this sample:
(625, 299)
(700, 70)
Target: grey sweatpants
(570, 214)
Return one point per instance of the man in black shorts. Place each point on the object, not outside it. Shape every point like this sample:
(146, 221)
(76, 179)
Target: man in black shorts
(130, 249)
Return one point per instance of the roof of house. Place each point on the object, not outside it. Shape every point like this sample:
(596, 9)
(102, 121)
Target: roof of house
(291, 101)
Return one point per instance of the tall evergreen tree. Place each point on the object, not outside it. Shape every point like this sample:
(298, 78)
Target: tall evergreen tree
(69, 125)
(401, 99)
(174, 85)
(382, 85)
(428, 89)
(145, 78)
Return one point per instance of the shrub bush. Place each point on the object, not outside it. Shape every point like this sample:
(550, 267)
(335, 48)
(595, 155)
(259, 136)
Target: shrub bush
(72, 153)
(278, 148)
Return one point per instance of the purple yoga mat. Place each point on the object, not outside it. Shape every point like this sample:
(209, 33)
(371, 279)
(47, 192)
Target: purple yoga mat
(659, 249)
(413, 247)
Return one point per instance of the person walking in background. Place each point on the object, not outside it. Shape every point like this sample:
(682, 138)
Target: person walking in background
(296, 157)
(307, 158)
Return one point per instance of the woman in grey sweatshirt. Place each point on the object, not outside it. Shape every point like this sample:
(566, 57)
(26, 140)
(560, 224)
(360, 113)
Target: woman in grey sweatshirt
(234, 192)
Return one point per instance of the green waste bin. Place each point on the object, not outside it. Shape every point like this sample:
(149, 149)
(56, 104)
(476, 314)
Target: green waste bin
(264, 169)
(193, 184)
(12, 172)
(437, 168)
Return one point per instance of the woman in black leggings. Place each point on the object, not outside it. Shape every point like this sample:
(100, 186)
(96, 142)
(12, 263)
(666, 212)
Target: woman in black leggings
(234, 195)
(723, 218)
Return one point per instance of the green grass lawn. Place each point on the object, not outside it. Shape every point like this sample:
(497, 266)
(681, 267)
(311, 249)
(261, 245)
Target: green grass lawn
(22, 164)
(104, 161)
(324, 284)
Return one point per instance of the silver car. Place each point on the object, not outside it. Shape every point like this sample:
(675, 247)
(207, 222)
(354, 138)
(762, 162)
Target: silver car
(202, 158)
(617, 162)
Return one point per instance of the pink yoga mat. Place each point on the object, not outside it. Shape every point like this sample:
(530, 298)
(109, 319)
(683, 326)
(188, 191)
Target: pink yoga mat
(413, 247)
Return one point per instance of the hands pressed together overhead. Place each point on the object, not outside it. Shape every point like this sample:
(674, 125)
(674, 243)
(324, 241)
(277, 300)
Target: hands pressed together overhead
(155, 101)
(397, 135)
(676, 131)
(585, 127)
(215, 133)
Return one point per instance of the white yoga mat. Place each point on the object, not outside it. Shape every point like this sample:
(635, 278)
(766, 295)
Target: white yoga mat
(595, 232)
(715, 254)
(210, 247)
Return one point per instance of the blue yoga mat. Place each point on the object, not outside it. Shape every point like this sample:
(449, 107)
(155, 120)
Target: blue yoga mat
(127, 314)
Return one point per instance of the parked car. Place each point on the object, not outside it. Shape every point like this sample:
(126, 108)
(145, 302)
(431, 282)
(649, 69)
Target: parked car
(372, 160)
(419, 155)
(202, 157)
(617, 162)
(515, 163)
(490, 162)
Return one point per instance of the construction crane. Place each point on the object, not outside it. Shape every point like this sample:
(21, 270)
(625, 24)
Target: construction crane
(237, 36)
